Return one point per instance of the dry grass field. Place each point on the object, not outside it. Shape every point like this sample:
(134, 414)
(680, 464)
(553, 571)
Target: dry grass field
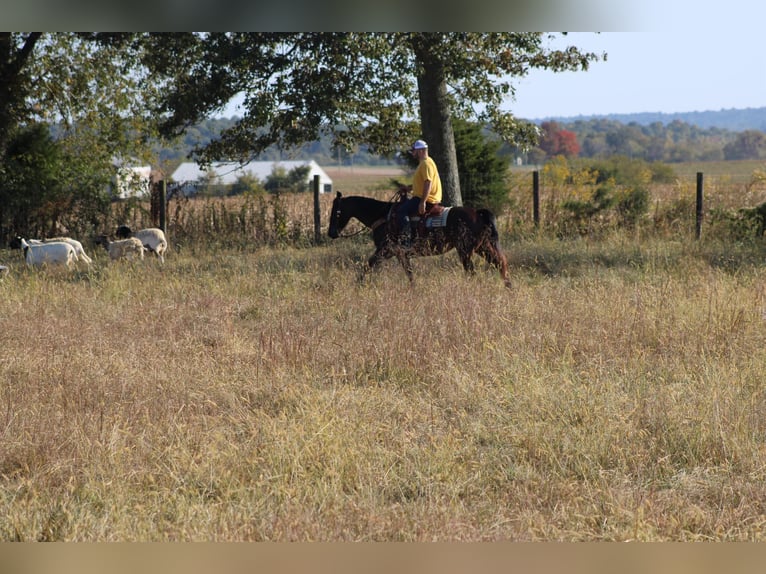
(234, 394)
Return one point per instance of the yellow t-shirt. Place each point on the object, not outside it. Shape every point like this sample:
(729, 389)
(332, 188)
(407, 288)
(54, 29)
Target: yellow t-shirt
(427, 172)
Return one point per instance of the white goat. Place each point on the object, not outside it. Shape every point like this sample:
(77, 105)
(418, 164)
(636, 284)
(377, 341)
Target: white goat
(79, 251)
(152, 238)
(56, 253)
(122, 248)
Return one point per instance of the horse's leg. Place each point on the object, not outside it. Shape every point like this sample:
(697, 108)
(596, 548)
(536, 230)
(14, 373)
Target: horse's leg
(464, 245)
(372, 263)
(404, 258)
(383, 252)
(466, 255)
(495, 257)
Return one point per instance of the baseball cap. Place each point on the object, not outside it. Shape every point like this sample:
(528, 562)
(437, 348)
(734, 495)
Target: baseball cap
(420, 144)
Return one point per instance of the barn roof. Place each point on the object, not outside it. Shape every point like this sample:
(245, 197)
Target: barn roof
(227, 173)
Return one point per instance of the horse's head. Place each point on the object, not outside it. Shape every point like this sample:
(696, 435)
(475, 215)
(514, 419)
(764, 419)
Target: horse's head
(338, 218)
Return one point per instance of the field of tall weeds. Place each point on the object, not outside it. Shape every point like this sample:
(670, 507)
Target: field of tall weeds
(263, 392)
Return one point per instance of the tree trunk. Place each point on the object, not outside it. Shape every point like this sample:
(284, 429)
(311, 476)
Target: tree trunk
(13, 91)
(436, 121)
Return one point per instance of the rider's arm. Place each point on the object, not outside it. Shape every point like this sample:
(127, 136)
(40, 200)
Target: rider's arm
(426, 191)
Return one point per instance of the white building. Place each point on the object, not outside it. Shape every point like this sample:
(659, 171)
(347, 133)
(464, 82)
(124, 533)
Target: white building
(227, 173)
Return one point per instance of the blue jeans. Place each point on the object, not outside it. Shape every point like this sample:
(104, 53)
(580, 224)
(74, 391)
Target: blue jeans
(407, 208)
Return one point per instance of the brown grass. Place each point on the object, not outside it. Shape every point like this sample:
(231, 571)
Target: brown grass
(265, 394)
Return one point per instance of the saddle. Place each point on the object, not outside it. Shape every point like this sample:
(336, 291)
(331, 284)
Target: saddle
(435, 216)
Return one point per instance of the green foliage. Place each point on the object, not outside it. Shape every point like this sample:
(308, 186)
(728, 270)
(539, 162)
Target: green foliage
(482, 171)
(662, 172)
(744, 224)
(631, 205)
(581, 212)
(44, 190)
(89, 91)
(323, 150)
(17, 83)
(30, 189)
(620, 169)
(596, 195)
(282, 180)
(247, 185)
(359, 86)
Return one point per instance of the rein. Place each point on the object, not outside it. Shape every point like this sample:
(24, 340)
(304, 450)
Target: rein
(357, 232)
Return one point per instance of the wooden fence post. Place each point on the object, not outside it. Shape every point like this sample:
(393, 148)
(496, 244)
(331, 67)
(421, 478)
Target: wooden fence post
(700, 212)
(163, 206)
(158, 203)
(317, 212)
(536, 197)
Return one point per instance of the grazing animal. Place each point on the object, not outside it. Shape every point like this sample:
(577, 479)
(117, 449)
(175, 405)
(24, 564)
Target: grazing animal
(152, 238)
(465, 229)
(55, 253)
(129, 248)
(78, 249)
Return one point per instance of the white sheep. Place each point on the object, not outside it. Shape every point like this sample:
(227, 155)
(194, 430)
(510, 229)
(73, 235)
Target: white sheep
(56, 253)
(122, 248)
(152, 238)
(78, 249)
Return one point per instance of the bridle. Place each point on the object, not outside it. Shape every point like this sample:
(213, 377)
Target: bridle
(342, 236)
(394, 198)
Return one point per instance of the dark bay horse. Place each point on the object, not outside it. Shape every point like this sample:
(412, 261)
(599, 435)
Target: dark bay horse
(465, 229)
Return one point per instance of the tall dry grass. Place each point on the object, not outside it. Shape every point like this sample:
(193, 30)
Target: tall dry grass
(256, 390)
(614, 394)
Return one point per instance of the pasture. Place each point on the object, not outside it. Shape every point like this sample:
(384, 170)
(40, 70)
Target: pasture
(615, 393)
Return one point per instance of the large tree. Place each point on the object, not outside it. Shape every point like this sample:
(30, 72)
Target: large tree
(381, 89)
(555, 140)
(90, 92)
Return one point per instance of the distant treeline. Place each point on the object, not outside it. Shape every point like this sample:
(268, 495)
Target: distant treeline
(670, 143)
(735, 120)
(671, 138)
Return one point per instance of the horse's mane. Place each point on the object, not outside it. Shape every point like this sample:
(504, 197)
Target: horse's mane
(367, 209)
(368, 202)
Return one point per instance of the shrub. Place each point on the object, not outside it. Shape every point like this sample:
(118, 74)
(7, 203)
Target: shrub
(247, 185)
(582, 212)
(632, 205)
(282, 180)
(662, 172)
(742, 224)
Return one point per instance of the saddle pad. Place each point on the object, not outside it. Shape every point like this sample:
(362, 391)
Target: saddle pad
(438, 220)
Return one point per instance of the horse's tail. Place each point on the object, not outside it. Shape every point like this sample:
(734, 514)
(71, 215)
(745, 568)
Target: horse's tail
(489, 224)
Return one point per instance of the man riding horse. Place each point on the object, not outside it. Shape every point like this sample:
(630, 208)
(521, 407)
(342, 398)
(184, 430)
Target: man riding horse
(426, 191)
(466, 229)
